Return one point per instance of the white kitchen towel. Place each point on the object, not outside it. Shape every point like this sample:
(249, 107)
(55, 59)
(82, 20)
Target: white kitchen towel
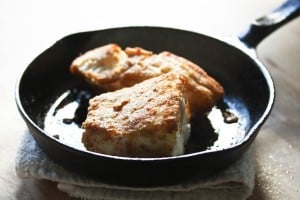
(234, 182)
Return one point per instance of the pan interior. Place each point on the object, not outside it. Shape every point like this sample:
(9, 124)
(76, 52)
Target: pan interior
(57, 102)
(209, 131)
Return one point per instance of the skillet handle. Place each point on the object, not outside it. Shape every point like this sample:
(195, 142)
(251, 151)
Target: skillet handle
(265, 25)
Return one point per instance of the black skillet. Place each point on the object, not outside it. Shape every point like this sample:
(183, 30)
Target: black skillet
(46, 87)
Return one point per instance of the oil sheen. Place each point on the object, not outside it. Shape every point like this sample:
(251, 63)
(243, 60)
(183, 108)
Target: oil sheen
(210, 131)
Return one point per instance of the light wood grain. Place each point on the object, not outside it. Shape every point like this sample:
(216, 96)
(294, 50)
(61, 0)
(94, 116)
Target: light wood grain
(29, 27)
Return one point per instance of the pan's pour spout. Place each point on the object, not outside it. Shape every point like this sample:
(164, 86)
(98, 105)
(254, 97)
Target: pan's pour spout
(265, 25)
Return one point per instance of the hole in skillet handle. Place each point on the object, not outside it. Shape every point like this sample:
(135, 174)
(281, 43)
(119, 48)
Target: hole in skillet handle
(267, 24)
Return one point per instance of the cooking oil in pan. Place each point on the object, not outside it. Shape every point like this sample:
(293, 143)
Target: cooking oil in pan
(64, 118)
(224, 126)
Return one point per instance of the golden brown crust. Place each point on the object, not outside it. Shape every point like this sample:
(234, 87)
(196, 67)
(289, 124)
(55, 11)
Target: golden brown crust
(202, 90)
(135, 65)
(140, 121)
(101, 65)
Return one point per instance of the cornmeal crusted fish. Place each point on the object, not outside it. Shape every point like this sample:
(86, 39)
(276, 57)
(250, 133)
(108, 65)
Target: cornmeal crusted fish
(110, 68)
(148, 119)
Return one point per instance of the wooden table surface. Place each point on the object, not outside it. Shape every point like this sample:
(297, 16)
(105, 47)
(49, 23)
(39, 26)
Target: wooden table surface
(29, 27)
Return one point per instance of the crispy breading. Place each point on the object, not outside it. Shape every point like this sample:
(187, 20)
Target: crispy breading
(145, 120)
(110, 68)
(100, 66)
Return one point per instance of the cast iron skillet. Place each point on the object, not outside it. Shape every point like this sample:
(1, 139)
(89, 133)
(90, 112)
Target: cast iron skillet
(233, 62)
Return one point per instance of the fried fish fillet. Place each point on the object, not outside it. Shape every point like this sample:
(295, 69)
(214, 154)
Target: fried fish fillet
(110, 68)
(148, 119)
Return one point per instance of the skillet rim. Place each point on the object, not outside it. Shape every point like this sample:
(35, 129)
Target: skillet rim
(233, 42)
